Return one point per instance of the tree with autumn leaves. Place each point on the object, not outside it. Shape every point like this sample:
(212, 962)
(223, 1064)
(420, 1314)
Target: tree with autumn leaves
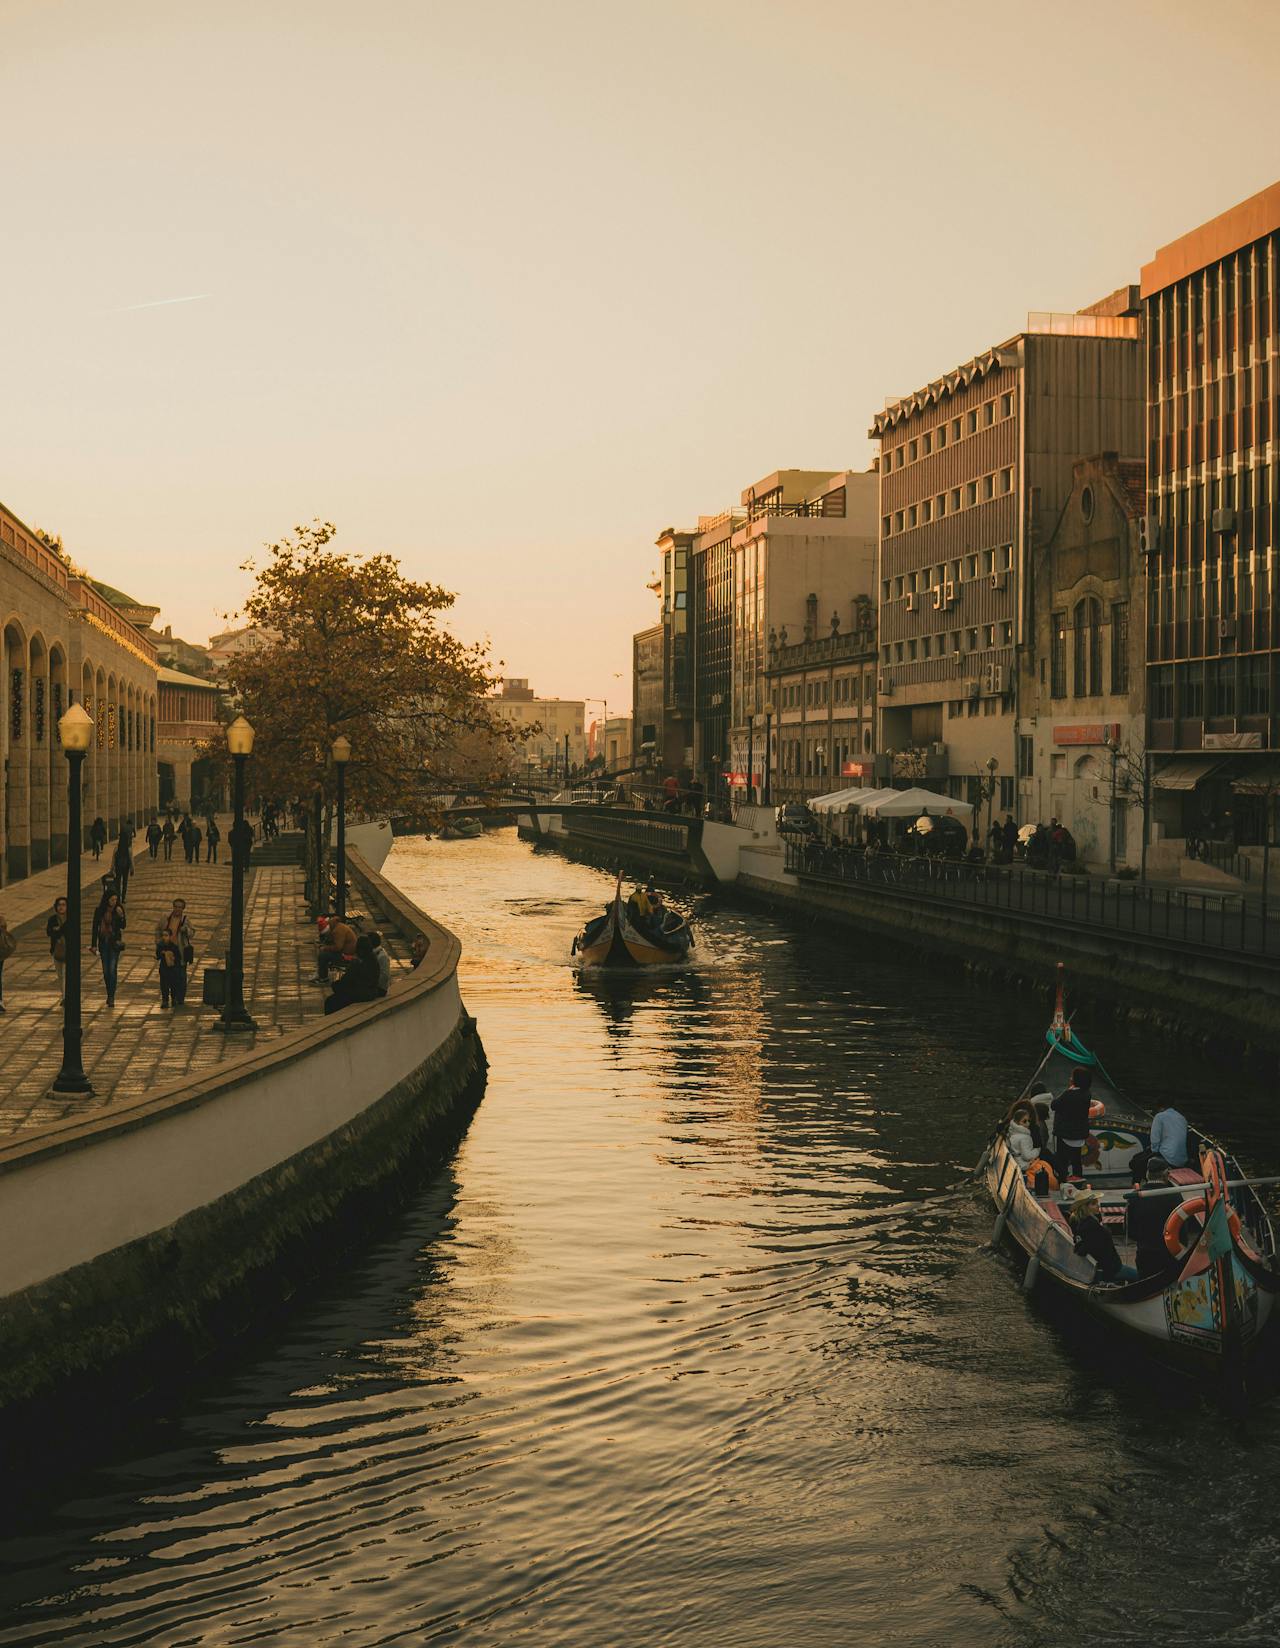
(359, 650)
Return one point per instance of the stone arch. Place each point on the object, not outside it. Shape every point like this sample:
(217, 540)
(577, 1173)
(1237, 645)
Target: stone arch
(15, 735)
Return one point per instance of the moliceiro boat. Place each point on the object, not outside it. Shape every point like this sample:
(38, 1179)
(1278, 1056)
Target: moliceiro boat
(642, 932)
(1186, 1264)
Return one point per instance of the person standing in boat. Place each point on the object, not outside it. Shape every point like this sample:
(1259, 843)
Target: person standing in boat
(1093, 1241)
(1146, 1210)
(1071, 1123)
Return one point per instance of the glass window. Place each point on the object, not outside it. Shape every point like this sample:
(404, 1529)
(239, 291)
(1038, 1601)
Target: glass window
(1058, 651)
(1120, 646)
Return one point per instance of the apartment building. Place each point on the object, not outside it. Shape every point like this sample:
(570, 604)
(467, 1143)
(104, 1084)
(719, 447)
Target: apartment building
(561, 736)
(1212, 318)
(648, 695)
(820, 712)
(974, 470)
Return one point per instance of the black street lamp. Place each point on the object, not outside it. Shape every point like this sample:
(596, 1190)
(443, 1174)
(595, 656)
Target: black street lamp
(768, 748)
(341, 755)
(235, 1015)
(76, 731)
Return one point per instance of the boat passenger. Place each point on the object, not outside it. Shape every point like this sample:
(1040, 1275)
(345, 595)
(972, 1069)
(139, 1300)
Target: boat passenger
(1071, 1122)
(1169, 1135)
(1024, 1135)
(1146, 1211)
(1093, 1241)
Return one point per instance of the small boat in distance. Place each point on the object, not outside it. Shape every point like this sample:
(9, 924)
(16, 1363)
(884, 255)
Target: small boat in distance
(640, 932)
(462, 829)
(1205, 1308)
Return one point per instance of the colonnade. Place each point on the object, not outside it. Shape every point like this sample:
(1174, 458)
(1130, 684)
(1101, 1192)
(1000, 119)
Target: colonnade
(41, 677)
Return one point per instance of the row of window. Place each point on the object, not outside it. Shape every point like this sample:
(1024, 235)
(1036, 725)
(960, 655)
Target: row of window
(995, 704)
(1088, 649)
(845, 689)
(1213, 687)
(934, 440)
(982, 564)
(978, 639)
(810, 756)
(995, 485)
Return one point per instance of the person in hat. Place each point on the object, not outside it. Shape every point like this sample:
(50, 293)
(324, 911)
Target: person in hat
(1093, 1241)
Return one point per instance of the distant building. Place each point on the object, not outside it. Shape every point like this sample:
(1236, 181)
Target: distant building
(610, 741)
(1213, 482)
(1085, 697)
(190, 716)
(175, 653)
(975, 469)
(648, 694)
(561, 723)
(222, 648)
(820, 709)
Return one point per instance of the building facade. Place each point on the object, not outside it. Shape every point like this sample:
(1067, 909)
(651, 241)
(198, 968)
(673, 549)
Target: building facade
(189, 717)
(1213, 316)
(820, 712)
(648, 696)
(559, 746)
(974, 471)
(64, 642)
(1081, 762)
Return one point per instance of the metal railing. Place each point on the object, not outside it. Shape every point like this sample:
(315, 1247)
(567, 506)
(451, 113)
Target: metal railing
(1226, 922)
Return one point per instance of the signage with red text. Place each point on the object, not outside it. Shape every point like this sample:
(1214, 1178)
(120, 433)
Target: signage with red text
(1088, 732)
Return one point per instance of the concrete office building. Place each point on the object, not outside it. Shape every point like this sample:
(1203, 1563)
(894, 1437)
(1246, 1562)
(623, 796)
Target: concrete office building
(974, 470)
(561, 724)
(1213, 486)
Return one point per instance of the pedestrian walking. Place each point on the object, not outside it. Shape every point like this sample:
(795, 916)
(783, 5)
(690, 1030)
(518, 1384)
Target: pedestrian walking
(56, 932)
(154, 837)
(122, 861)
(196, 837)
(98, 836)
(184, 830)
(108, 941)
(168, 835)
(175, 951)
(8, 944)
(212, 837)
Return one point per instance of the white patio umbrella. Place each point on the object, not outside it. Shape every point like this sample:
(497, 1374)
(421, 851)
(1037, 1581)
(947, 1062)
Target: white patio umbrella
(848, 801)
(911, 803)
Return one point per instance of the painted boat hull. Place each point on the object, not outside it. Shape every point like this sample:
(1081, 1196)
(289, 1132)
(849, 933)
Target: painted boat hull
(616, 943)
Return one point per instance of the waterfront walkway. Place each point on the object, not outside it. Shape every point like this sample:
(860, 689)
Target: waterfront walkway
(138, 1046)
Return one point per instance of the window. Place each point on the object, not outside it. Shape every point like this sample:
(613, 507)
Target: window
(912, 515)
(884, 590)
(989, 635)
(1006, 634)
(897, 587)
(971, 493)
(1006, 558)
(1006, 480)
(1191, 691)
(911, 650)
(897, 521)
(913, 451)
(940, 504)
(988, 562)
(926, 512)
(1026, 757)
(955, 429)
(1120, 646)
(988, 486)
(1222, 686)
(971, 567)
(886, 526)
(942, 436)
(926, 445)
(1255, 685)
(897, 652)
(1006, 405)
(926, 646)
(1087, 623)
(1058, 655)
(1160, 692)
(955, 498)
(897, 458)
(971, 640)
(988, 412)
(971, 424)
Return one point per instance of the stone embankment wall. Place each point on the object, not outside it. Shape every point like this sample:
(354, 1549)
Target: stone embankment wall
(139, 1237)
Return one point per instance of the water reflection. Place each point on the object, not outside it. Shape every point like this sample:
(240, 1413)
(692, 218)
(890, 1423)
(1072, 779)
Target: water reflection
(698, 1341)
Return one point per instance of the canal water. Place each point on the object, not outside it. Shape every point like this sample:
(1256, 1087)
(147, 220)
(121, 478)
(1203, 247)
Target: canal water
(698, 1340)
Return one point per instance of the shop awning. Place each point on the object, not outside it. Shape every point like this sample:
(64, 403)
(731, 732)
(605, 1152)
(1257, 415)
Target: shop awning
(1184, 774)
(1259, 778)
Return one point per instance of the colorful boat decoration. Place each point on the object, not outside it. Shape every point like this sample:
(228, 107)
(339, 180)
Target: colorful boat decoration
(641, 931)
(1208, 1304)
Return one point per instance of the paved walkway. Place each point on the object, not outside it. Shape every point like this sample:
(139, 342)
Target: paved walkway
(138, 1045)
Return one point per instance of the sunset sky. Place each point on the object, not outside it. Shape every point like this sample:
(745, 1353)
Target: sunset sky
(506, 288)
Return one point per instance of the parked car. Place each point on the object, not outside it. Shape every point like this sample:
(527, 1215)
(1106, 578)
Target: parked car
(795, 819)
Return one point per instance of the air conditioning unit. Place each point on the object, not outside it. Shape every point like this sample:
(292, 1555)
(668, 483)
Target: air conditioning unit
(1226, 629)
(884, 686)
(997, 678)
(937, 749)
(949, 592)
(1149, 534)
(911, 603)
(999, 580)
(1224, 521)
(971, 688)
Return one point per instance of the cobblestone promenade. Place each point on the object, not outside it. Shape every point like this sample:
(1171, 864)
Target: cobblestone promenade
(138, 1045)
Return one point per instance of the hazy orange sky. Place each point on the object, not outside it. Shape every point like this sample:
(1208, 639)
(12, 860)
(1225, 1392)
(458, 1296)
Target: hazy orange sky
(505, 288)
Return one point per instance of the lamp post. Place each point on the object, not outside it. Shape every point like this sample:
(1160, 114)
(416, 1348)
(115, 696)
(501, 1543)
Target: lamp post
(341, 755)
(235, 1015)
(768, 747)
(75, 728)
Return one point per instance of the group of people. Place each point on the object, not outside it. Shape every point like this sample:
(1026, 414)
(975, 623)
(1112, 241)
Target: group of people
(1049, 847)
(356, 965)
(1147, 1206)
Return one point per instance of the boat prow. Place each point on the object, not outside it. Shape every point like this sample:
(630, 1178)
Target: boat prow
(622, 939)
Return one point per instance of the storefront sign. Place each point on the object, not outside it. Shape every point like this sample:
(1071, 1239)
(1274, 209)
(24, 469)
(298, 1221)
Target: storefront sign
(1232, 741)
(855, 769)
(738, 780)
(1088, 732)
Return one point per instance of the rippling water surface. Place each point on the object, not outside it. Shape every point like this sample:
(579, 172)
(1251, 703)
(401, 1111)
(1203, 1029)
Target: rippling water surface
(697, 1341)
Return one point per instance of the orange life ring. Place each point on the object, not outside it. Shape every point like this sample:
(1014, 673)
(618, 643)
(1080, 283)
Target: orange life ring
(1189, 1210)
(1041, 1166)
(1097, 1110)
